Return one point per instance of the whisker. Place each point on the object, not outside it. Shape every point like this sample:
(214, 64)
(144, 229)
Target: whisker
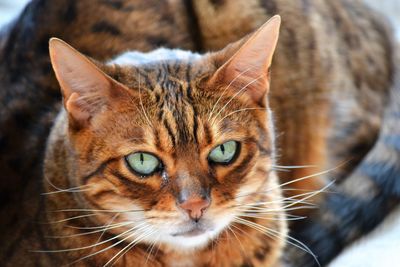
(280, 209)
(86, 215)
(293, 181)
(61, 190)
(89, 246)
(129, 246)
(311, 195)
(98, 210)
(106, 229)
(239, 110)
(276, 234)
(304, 190)
(295, 166)
(298, 242)
(282, 200)
(103, 229)
(70, 219)
(250, 215)
(288, 207)
(151, 250)
(69, 190)
(106, 248)
(240, 242)
(94, 227)
(235, 95)
(226, 88)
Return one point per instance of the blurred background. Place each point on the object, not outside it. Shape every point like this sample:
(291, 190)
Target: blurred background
(380, 248)
(391, 8)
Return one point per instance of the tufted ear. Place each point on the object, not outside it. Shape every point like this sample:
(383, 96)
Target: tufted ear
(85, 88)
(248, 68)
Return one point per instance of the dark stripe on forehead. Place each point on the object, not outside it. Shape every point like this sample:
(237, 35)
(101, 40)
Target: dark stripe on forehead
(189, 93)
(195, 126)
(157, 140)
(188, 71)
(170, 133)
(207, 133)
(144, 77)
(159, 75)
(177, 66)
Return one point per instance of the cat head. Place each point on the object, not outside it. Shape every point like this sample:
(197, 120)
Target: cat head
(171, 145)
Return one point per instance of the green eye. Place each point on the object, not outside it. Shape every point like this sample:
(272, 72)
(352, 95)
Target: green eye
(224, 153)
(143, 163)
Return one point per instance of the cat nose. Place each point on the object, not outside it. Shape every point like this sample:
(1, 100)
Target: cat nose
(195, 207)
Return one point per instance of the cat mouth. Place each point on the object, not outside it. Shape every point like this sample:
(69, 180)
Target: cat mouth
(194, 231)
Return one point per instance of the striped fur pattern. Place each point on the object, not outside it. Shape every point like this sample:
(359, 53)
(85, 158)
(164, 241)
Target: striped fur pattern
(332, 72)
(178, 106)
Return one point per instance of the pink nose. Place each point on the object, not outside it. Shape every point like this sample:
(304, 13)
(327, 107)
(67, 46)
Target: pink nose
(195, 207)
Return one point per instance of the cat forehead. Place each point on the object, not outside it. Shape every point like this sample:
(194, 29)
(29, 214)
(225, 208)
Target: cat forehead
(161, 54)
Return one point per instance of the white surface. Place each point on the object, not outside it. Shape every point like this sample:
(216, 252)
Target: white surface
(9, 9)
(381, 248)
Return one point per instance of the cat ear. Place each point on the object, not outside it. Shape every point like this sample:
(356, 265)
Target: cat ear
(85, 88)
(248, 68)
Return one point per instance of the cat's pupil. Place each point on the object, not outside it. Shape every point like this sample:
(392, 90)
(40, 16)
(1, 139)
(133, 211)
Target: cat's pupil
(141, 158)
(222, 149)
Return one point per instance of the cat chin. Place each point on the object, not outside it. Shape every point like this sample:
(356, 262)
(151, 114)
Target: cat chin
(188, 243)
(193, 238)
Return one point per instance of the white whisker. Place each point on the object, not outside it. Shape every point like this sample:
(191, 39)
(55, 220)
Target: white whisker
(276, 234)
(89, 246)
(103, 229)
(239, 110)
(107, 248)
(226, 88)
(147, 233)
(98, 210)
(235, 95)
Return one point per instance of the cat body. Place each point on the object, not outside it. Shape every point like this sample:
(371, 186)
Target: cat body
(331, 81)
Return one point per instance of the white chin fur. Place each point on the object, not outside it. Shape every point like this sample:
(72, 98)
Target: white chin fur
(189, 243)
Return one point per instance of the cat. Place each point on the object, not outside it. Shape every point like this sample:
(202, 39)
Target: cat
(340, 49)
(168, 149)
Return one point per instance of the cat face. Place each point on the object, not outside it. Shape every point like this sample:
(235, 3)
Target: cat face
(170, 145)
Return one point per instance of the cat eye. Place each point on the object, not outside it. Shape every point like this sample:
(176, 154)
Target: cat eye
(224, 153)
(143, 163)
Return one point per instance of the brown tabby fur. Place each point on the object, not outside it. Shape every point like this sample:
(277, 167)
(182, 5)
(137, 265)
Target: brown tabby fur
(331, 78)
(177, 99)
